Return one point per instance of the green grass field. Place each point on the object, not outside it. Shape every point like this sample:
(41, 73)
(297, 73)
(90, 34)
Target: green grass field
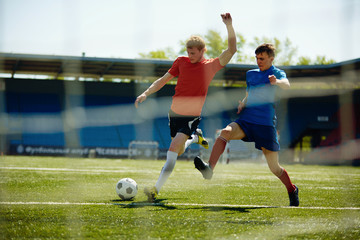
(66, 198)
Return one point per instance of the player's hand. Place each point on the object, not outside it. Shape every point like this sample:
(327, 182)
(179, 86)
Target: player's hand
(226, 17)
(272, 79)
(240, 107)
(140, 99)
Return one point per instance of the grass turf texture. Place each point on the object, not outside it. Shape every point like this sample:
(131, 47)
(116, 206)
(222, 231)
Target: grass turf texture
(242, 201)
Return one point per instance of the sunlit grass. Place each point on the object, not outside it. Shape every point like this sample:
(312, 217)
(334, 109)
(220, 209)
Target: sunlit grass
(243, 200)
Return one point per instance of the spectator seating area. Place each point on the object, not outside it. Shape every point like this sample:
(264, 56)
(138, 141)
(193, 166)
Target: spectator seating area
(39, 119)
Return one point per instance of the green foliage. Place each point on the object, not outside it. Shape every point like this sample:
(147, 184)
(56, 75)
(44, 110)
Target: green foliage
(167, 53)
(64, 198)
(286, 52)
(321, 60)
(215, 44)
(304, 61)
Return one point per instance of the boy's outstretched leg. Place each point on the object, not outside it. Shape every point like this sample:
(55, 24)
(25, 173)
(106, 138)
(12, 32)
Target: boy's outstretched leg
(217, 150)
(166, 171)
(206, 169)
(203, 167)
(294, 197)
(231, 131)
(272, 159)
(292, 189)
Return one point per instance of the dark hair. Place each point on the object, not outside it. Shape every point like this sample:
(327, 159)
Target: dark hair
(266, 47)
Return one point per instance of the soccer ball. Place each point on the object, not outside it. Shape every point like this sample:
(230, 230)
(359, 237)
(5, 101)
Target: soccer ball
(126, 188)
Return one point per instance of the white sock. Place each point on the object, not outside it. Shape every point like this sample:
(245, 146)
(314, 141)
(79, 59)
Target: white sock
(194, 138)
(167, 169)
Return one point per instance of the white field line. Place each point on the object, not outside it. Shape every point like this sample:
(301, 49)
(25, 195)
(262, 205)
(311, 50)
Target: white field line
(175, 204)
(71, 169)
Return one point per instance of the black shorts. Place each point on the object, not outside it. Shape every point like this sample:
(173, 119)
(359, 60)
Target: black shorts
(183, 124)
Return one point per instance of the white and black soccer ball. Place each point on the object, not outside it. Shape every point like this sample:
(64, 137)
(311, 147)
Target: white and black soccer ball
(126, 188)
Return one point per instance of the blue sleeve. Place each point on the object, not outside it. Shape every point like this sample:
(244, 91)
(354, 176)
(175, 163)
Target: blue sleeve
(247, 83)
(279, 74)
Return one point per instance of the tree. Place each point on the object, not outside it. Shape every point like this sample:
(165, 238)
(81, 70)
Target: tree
(286, 52)
(167, 53)
(322, 60)
(304, 61)
(214, 43)
(242, 56)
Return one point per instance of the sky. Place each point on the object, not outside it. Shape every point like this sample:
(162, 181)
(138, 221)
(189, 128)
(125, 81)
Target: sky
(123, 29)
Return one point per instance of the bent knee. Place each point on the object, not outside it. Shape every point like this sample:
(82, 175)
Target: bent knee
(178, 150)
(226, 133)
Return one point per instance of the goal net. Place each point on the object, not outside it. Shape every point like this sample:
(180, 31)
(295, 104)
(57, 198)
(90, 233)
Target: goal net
(143, 150)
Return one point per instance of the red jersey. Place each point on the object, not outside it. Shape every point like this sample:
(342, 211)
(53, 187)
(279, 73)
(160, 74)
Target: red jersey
(192, 84)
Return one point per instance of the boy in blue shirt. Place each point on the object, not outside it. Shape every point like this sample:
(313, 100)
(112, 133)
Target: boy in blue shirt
(257, 119)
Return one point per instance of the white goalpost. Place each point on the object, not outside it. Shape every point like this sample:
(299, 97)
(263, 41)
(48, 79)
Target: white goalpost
(143, 150)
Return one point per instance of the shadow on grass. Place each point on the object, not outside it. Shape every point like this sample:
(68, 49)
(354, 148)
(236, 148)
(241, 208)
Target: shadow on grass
(156, 203)
(160, 203)
(225, 208)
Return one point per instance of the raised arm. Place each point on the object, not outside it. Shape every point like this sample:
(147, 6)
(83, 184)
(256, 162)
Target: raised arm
(226, 56)
(154, 87)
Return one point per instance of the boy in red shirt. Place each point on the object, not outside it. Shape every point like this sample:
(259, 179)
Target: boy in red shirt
(194, 76)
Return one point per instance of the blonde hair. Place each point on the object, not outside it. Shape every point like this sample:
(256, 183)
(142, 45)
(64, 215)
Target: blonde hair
(195, 41)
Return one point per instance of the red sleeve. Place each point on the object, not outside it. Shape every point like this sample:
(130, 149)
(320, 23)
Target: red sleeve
(217, 65)
(174, 70)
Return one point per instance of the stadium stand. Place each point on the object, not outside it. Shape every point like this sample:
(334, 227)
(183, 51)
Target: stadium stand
(89, 114)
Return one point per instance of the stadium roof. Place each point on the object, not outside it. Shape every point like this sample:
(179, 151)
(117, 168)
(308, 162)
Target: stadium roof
(97, 68)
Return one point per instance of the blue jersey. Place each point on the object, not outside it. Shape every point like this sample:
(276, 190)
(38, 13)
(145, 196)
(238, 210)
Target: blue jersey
(260, 108)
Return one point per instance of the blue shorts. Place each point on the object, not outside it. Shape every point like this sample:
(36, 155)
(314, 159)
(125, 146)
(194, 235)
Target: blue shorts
(263, 136)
